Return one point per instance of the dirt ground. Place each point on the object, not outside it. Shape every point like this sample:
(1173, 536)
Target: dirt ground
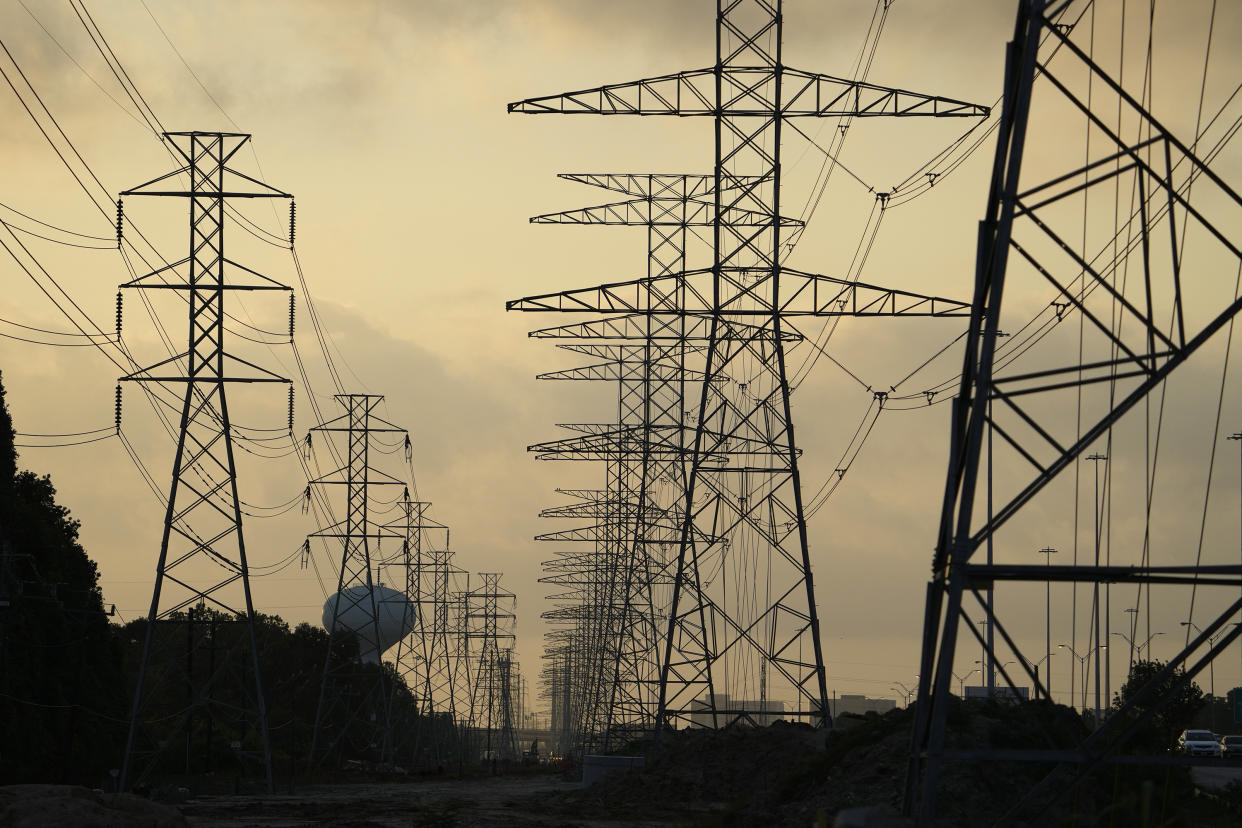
(782, 775)
(485, 802)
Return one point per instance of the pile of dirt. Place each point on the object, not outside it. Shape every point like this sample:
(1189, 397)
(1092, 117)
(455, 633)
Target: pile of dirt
(791, 774)
(707, 775)
(44, 806)
(868, 765)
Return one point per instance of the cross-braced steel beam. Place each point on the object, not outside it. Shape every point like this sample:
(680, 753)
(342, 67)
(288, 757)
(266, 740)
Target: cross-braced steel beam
(1034, 232)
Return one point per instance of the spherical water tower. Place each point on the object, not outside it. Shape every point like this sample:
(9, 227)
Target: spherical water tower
(361, 610)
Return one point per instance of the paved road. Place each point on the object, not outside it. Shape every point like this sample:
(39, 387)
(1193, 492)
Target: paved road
(1209, 777)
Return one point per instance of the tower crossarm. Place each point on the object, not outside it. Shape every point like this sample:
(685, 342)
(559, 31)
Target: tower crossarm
(803, 94)
(657, 440)
(619, 353)
(585, 428)
(155, 279)
(150, 374)
(596, 509)
(622, 371)
(670, 186)
(375, 477)
(747, 292)
(662, 213)
(601, 532)
(582, 494)
(339, 531)
(634, 326)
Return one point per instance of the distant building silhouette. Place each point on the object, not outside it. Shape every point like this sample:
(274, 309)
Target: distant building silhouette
(728, 710)
(978, 691)
(858, 705)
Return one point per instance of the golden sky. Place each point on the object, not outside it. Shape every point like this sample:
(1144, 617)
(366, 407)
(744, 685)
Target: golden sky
(387, 122)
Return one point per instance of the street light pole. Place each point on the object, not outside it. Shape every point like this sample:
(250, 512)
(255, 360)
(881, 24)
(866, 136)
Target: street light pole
(985, 660)
(1073, 656)
(1048, 552)
(1139, 648)
(989, 658)
(1096, 588)
(961, 689)
(1133, 612)
(1035, 670)
(1211, 667)
(1082, 663)
(1237, 435)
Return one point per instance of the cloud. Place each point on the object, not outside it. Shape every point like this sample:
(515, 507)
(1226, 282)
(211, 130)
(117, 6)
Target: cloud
(388, 121)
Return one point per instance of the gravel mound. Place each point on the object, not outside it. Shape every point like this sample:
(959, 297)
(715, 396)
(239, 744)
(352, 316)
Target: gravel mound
(44, 806)
(791, 774)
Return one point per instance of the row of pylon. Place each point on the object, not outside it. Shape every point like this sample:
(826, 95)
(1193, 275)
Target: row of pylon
(688, 599)
(200, 682)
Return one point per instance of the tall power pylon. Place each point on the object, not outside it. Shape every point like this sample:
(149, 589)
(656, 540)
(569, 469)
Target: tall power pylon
(202, 566)
(489, 620)
(646, 452)
(354, 710)
(512, 710)
(1107, 236)
(743, 510)
(422, 539)
(447, 674)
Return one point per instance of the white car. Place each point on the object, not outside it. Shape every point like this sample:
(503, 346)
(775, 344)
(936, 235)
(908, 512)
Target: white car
(1198, 743)
(1230, 746)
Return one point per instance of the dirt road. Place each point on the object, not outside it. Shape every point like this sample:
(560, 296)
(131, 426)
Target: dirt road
(496, 801)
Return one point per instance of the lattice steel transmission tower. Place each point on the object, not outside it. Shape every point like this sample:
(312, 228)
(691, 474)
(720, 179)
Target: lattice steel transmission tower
(487, 624)
(354, 712)
(423, 540)
(1041, 229)
(638, 512)
(448, 673)
(742, 503)
(511, 710)
(202, 566)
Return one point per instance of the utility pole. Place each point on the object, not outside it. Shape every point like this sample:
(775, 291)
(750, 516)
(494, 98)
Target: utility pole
(202, 559)
(354, 711)
(749, 509)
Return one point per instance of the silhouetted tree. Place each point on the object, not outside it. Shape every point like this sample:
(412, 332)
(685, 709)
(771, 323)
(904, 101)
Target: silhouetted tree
(1179, 704)
(61, 692)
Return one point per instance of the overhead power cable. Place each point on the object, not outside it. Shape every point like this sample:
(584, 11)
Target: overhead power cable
(58, 229)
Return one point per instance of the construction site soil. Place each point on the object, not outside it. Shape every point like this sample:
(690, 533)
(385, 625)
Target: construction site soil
(782, 775)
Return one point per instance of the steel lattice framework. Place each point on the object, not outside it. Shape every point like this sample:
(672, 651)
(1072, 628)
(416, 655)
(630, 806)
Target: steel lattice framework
(418, 654)
(202, 560)
(449, 670)
(488, 620)
(356, 596)
(1150, 325)
(624, 592)
(742, 507)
